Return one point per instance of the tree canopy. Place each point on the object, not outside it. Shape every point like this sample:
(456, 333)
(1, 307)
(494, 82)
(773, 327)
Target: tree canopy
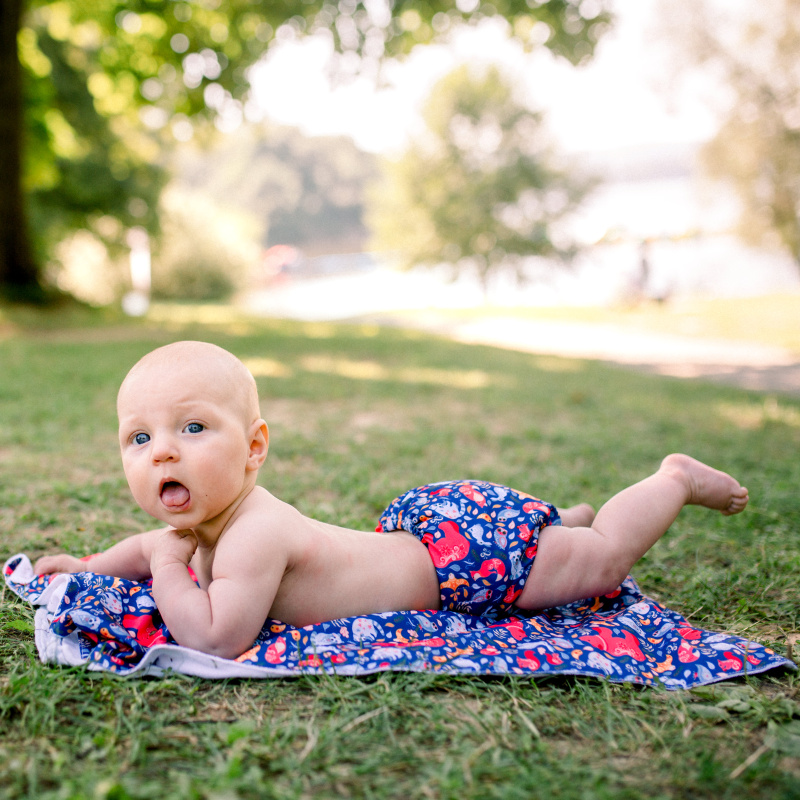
(481, 190)
(93, 89)
(753, 53)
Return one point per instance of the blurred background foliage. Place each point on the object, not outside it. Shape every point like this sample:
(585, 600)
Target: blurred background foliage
(94, 90)
(752, 54)
(482, 188)
(106, 103)
(304, 191)
(205, 252)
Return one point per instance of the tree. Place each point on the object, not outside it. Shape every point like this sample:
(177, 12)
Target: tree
(754, 56)
(17, 265)
(307, 192)
(481, 190)
(106, 82)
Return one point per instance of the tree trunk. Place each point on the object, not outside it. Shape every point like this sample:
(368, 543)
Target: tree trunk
(18, 269)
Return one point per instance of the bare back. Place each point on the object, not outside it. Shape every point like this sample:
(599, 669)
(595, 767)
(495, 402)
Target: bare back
(301, 571)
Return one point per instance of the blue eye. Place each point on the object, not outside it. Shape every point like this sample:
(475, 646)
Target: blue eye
(141, 438)
(195, 427)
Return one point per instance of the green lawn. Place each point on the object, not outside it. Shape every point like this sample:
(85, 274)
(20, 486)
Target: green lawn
(357, 415)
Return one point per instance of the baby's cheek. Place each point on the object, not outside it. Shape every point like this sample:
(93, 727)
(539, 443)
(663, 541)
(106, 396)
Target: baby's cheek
(130, 476)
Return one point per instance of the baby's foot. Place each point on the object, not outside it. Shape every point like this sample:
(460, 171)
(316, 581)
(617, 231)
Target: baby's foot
(707, 486)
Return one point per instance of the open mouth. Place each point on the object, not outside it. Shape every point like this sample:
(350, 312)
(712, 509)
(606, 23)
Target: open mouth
(174, 495)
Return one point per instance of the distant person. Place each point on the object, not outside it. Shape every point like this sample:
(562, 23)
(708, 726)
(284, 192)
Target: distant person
(643, 289)
(193, 441)
(644, 270)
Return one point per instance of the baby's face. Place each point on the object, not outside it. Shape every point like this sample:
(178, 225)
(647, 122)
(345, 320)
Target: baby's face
(184, 444)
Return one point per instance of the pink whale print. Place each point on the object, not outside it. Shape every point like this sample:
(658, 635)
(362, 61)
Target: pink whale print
(529, 662)
(625, 645)
(730, 662)
(687, 653)
(534, 505)
(275, 651)
(473, 494)
(451, 547)
(146, 633)
(488, 567)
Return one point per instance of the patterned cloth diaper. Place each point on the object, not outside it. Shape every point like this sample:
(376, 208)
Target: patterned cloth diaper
(482, 539)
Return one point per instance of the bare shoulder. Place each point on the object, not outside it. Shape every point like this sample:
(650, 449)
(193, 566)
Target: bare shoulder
(265, 534)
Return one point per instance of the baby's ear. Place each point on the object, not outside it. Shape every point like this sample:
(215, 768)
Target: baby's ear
(259, 444)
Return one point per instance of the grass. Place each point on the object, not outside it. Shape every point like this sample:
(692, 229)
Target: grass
(358, 414)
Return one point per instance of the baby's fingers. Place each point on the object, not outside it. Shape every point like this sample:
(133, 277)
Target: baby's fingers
(186, 538)
(174, 544)
(58, 563)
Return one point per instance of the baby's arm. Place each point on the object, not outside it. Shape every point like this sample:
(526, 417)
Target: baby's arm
(225, 618)
(129, 558)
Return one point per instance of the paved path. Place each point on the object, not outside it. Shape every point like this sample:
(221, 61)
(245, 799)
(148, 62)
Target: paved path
(385, 298)
(745, 364)
(748, 365)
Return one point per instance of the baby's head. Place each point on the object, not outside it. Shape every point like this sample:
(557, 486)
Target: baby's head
(190, 432)
(216, 373)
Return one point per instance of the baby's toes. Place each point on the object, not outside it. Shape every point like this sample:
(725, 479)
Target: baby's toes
(738, 502)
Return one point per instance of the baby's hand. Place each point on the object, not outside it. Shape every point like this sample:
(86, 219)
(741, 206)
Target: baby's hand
(173, 546)
(59, 563)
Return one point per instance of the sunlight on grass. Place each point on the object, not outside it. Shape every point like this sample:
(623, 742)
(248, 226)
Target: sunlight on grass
(555, 364)
(374, 371)
(236, 321)
(7, 329)
(319, 330)
(173, 316)
(755, 415)
(267, 368)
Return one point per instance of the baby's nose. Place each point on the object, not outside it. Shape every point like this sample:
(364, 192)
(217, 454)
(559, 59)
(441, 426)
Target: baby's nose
(164, 449)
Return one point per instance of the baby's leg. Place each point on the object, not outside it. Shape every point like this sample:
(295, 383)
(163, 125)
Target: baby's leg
(582, 561)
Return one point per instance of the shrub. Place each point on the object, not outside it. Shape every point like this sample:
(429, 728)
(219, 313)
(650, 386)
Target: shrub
(204, 253)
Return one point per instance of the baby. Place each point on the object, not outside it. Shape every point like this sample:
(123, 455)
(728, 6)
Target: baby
(192, 442)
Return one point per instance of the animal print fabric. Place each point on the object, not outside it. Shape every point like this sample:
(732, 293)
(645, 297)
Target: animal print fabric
(112, 625)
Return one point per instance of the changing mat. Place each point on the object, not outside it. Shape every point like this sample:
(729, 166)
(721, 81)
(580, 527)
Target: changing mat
(113, 625)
